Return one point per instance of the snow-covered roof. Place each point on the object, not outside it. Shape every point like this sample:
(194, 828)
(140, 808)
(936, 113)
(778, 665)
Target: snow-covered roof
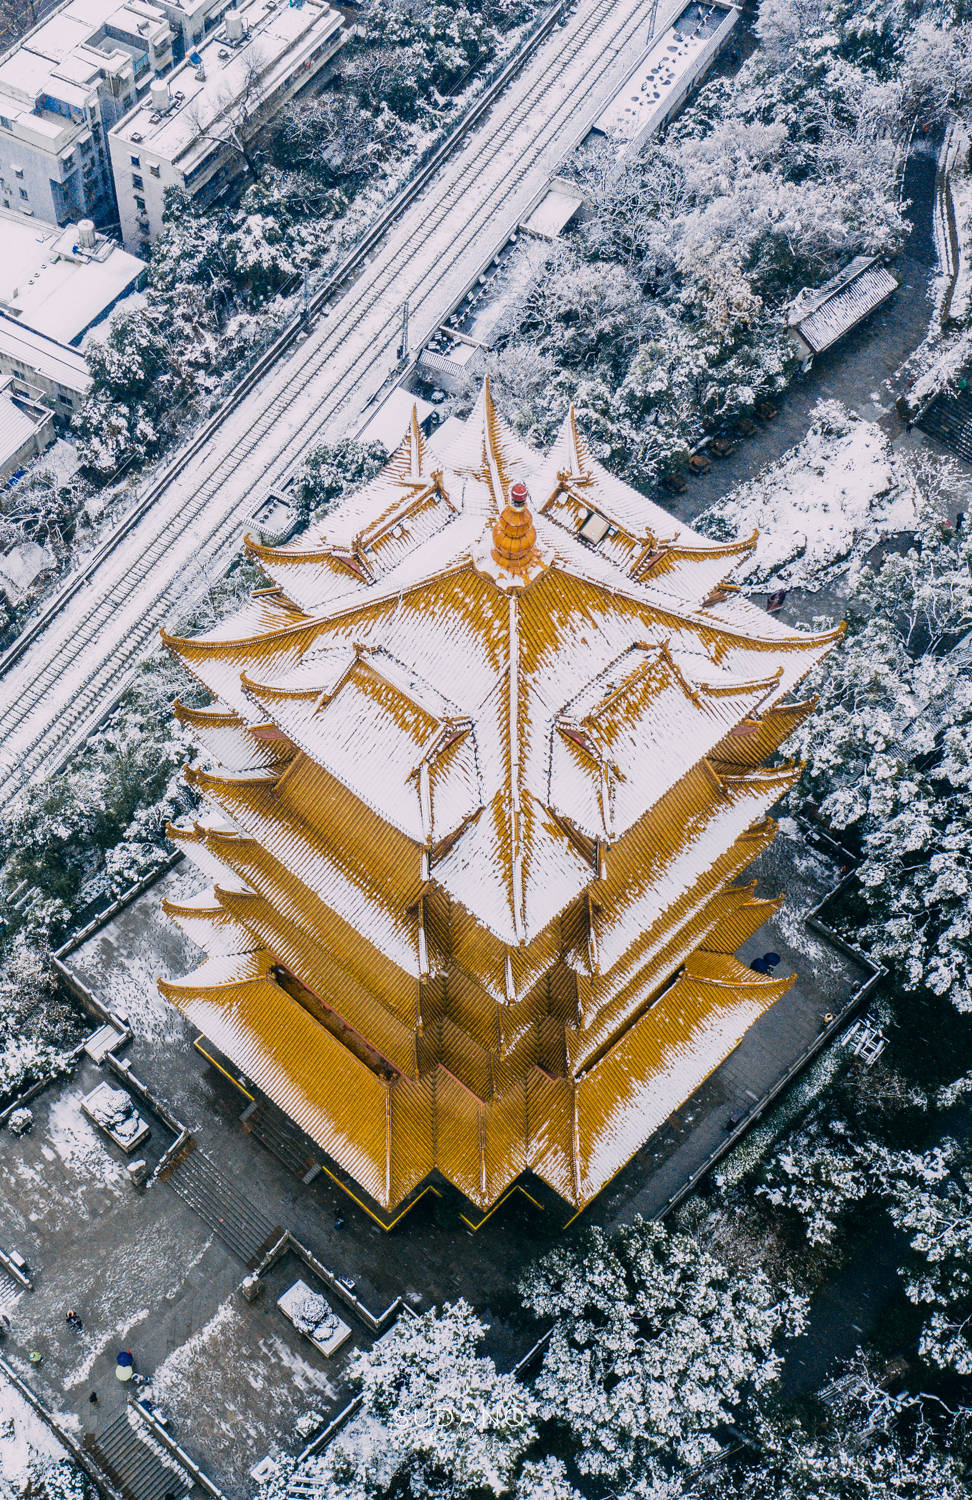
(661, 78)
(490, 752)
(822, 317)
(40, 353)
(395, 672)
(50, 283)
(278, 42)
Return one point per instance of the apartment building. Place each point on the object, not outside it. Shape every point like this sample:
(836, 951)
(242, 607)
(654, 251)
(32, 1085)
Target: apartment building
(190, 132)
(68, 81)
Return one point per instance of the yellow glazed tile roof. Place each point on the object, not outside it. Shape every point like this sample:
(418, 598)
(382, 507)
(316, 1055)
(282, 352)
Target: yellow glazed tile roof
(484, 762)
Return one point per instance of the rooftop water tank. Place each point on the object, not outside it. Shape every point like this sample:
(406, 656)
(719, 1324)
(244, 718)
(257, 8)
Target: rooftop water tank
(159, 95)
(86, 234)
(234, 26)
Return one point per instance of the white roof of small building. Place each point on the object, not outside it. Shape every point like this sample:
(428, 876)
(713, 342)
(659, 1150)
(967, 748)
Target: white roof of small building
(824, 316)
(49, 283)
(21, 565)
(553, 213)
(18, 423)
(392, 418)
(38, 351)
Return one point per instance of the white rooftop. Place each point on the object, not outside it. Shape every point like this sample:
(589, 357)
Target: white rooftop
(392, 418)
(278, 38)
(822, 317)
(38, 351)
(553, 213)
(656, 84)
(18, 423)
(51, 284)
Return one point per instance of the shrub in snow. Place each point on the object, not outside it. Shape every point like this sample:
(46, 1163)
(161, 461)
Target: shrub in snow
(655, 1346)
(20, 1121)
(930, 1199)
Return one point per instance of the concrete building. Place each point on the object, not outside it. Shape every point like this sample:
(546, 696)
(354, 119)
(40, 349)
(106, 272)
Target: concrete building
(61, 89)
(192, 130)
(38, 363)
(26, 429)
(61, 282)
(54, 287)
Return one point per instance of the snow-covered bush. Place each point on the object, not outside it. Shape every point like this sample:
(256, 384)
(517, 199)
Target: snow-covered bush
(930, 1199)
(19, 1121)
(656, 1344)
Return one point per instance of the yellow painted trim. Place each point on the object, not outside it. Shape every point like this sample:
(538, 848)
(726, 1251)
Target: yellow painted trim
(380, 1222)
(498, 1204)
(234, 1081)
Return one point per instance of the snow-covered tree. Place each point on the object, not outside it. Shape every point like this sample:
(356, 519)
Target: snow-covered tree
(930, 1199)
(437, 1418)
(655, 1347)
(889, 759)
(818, 1174)
(862, 1454)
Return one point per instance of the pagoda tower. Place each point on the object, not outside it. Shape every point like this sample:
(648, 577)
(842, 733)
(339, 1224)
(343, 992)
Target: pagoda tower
(482, 767)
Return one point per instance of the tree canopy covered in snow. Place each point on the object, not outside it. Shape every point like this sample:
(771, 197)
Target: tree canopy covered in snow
(656, 1346)
(661, 314)
(436, 1418)
(889, 756)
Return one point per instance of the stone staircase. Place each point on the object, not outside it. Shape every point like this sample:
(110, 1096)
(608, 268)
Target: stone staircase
(238, 1223)
(949, 419)
(136, 1464)
(273, 1130)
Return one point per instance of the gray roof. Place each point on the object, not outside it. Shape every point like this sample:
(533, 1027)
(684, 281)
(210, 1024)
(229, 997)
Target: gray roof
(822, 319)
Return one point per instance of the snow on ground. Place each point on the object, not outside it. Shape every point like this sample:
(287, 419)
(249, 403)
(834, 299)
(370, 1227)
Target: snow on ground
(263, 1383)
(26, 1444)
(121, 965)
(80, 1146)
(838, 491)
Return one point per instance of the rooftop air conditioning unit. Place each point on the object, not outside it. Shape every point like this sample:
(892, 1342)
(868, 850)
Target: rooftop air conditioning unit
(137, 137)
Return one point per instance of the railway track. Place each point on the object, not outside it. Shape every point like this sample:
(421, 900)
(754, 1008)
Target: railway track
(61, 680)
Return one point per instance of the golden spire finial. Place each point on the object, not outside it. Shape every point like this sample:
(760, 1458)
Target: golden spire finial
(514, 534)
